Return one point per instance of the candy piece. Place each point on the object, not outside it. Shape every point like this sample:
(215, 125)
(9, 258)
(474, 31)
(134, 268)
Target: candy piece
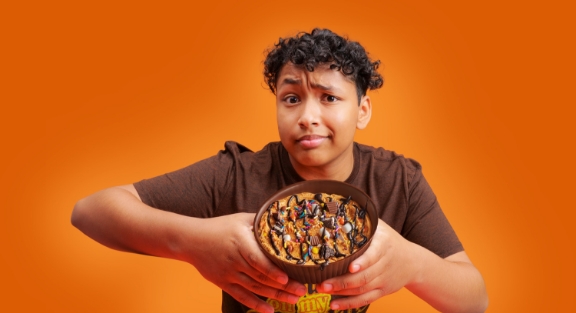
(279, 217)
(315, 250)
(287, 238)
(332, 207)
(314, 240)
(316, 209)
(347, 227)
(330, 222)
(326, 252)
(278, 229)
(324, 233)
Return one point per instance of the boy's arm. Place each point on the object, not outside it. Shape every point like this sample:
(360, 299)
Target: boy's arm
(222, 249)
(391, 262)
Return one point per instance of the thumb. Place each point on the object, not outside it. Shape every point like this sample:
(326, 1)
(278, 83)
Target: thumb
(374, 250)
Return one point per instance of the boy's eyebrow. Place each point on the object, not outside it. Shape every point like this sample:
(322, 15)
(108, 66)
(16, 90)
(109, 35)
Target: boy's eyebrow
(297, 81)
(315, 85)
(291, 81)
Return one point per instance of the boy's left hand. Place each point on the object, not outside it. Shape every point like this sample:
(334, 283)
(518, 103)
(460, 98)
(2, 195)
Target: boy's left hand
(385, 267)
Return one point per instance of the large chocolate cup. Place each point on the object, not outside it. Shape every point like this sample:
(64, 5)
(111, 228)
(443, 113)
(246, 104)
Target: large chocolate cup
(312, 274)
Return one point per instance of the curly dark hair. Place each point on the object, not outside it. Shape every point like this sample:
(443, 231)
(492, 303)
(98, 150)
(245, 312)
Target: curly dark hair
(323, 46)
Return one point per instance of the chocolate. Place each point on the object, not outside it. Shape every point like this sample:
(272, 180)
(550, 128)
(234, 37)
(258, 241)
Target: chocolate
(324, 233)
(362, 213)
(337, 252)
(276, 250)
(330, 222)
(361, 242)
(292, 197)
(316, 211)
(332, 207)
(304, 262)
(275, 215)
(289, 249)
(346, 200)
(314, 240)
(326, 252)
(307, 228)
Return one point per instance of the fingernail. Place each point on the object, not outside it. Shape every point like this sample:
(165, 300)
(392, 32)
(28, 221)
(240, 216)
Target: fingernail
(269, 309)
(301, 291)
(293, 299)
(355, 268)
(326, 287)
(282, 279)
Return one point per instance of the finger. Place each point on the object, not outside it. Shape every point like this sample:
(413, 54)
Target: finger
(257, 266)
(348, 284)
(295, 288)
(263, 270)
(249, 299)
(356, 301)
(265, 290)
(375, 251)
(362, 270)
(265, 274)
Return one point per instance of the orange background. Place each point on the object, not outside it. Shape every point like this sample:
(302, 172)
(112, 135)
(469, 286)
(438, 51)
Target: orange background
(101, 94)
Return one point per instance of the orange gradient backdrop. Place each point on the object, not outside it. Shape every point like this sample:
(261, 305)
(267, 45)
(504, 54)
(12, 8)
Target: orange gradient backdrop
(104, 93)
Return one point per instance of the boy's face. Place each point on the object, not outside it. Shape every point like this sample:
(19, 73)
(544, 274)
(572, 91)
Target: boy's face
(318, 114)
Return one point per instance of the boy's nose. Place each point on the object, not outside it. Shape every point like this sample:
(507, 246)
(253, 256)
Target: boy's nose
(310, 114)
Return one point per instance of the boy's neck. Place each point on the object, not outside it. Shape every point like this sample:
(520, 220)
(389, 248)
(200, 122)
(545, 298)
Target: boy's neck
(340, 169)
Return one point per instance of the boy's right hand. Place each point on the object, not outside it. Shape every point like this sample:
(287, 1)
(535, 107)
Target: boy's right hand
(229, 257)
(223, 249)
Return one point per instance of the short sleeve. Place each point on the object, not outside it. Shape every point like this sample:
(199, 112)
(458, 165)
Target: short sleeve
(195, 190)
(426, 224)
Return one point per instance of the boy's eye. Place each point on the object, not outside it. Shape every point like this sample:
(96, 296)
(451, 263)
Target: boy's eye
(291, 99)
(330, 98)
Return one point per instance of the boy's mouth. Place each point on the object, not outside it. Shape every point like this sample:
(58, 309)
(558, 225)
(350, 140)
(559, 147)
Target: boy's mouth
(310, 141)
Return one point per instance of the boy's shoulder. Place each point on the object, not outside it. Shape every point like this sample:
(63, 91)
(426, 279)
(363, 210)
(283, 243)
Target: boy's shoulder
(271, 155)
(239, 150)
(384, 155)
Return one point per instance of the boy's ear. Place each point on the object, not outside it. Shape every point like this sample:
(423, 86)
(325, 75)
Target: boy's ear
(364, 112)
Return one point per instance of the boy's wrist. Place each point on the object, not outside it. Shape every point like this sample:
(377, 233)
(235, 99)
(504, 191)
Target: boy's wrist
(187, 238)
(417, 260)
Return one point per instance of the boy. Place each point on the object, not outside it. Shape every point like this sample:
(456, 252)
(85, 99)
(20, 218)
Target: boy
(203, 214)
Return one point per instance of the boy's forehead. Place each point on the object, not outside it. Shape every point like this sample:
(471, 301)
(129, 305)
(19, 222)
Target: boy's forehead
(323, 75)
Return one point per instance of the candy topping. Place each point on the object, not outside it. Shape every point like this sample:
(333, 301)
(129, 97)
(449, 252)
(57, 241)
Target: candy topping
(314, 228)
(332, 207)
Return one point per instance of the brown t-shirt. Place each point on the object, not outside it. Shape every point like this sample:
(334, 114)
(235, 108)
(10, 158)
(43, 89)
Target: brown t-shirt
(239, 180)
